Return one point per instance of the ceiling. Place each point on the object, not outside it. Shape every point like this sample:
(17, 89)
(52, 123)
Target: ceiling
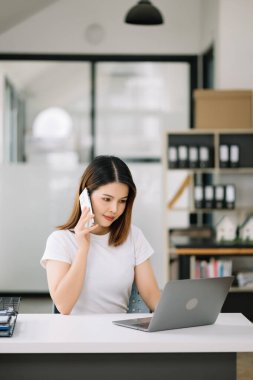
(12, 12)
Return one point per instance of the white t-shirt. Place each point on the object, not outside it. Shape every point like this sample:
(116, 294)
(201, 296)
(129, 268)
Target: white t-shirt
(110, 270)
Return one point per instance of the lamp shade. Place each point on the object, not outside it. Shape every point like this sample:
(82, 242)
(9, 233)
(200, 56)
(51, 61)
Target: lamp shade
(144, 13)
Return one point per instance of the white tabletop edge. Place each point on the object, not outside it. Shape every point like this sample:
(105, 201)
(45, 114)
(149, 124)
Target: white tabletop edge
(47, 333)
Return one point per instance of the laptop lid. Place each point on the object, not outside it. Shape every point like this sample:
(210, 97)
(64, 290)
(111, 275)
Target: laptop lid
(186, 303)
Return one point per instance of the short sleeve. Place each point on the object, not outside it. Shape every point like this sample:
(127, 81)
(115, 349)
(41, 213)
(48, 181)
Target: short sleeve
(57, 248)
(143, 249)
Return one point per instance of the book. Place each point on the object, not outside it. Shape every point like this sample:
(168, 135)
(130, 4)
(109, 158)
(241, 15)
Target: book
(211, 268)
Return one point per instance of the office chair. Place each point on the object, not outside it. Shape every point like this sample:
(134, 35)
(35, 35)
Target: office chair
(136, 303)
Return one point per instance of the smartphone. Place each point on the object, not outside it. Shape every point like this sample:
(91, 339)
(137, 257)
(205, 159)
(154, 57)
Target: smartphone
(85, 202)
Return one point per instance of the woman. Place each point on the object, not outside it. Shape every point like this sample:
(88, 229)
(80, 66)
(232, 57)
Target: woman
(92, 269)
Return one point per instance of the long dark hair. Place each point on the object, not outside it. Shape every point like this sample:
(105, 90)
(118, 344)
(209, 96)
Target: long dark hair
(101, 171)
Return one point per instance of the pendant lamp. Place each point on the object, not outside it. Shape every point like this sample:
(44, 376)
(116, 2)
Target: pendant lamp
(144, 13)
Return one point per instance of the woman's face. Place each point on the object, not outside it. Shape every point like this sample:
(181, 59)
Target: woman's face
(108, 203)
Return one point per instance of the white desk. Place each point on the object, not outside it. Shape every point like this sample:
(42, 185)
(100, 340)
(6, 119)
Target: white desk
(54, 346)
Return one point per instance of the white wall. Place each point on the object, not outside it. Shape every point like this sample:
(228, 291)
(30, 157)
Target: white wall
(33, 201)
(234, 49)
(190, 26)
(62, 27)
(208, 23)
(1, 113)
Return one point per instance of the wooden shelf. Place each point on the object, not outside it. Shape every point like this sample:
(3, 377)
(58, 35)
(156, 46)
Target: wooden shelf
(244, 289)
(214, 170)
(211, 210)
(214, 251)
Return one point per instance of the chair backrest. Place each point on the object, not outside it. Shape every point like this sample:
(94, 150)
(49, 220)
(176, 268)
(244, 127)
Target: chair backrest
(136, 303)
(55, 310)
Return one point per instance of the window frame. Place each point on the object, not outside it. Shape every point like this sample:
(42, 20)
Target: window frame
(192, 60)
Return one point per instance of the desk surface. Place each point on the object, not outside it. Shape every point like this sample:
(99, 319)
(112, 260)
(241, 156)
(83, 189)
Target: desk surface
(52, 333)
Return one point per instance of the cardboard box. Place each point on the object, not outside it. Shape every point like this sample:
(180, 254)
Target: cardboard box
(223, 109)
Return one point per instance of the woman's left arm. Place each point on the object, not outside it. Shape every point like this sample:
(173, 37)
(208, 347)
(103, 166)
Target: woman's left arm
(146, 284)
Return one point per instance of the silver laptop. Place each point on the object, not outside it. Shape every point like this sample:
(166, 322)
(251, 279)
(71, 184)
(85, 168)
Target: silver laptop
(185, 303)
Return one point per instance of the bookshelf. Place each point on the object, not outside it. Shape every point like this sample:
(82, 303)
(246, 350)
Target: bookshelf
(186, 169)
(185, 218)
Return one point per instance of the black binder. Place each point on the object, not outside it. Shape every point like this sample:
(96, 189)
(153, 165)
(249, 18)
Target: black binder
(224, 156)
(209, 196)
(234, 156)
(173, 157)
(204, 157)
(219, 196)
(193, 157)
(183, 160)
(230, 196)
(199, 196)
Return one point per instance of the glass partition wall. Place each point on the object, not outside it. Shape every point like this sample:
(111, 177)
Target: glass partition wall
(48, 109)
(135, 102)
(60, 114)
(56, 111)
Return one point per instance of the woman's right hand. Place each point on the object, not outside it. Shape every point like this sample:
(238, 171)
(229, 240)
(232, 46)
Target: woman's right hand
(82, 233)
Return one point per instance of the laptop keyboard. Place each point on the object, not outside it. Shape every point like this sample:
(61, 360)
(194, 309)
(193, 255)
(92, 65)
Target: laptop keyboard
(142, 322)
(143, 325)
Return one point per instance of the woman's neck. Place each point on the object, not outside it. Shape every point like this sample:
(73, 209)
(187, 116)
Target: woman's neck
(100, 230)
